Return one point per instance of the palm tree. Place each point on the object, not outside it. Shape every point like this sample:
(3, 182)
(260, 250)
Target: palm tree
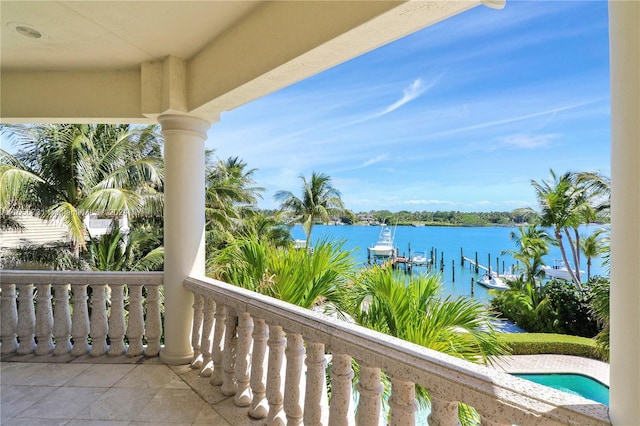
(319, 200)
(303, 278)
(120, 251)
(231, 197)
(415, 311)
(65, 172)
(531, 243)
(563, 205)
(593, 246)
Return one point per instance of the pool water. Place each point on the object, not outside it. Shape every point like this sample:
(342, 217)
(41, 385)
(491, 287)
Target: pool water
(576, 384)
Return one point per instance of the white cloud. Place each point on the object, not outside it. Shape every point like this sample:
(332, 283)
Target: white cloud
(529, 141)
(410, 93)
(375, 160)
(426, 202)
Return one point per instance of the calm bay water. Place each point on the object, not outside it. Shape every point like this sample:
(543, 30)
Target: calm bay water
(448, 241)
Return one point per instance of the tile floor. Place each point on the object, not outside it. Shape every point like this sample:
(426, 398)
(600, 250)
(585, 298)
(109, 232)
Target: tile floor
(135, 392)
(76, 394)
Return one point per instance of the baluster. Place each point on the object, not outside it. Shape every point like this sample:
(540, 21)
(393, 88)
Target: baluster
(292, 382)
(276, 345)
(217, 350)
(26, 319)
(443, 412)
(370, 404)
(116, 321)
(243, 360)
(198, 305)
(99, 324)
(316, 384)
(207, 329)
(135, 324)
(341, 376)
(44, 320)
(9, 325)
(62, 320)
(260, 335)
(153, 326)
(80, 320)
(228, 387)
(403, 403)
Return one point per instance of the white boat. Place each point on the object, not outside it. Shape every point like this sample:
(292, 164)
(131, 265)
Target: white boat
(558, 270)
(384, 246)
(492, 281)
(419, 258)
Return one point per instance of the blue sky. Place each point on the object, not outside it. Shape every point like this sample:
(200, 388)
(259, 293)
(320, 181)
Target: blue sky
(459, 116)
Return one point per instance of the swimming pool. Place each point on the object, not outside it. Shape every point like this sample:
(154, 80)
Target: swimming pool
(576, 384)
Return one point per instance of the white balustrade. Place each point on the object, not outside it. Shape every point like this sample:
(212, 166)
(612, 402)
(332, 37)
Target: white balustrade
(80, 323)
(341, 376)
(196, 331)
(229, 386)
(116, 321)
(217, 347)
(243, 360)
(99, 321)
(275, 397)
(443, 413)
(62, 320)
(370, 403)
(259, 407)
(207, 328)
(9, 319)
(292, 382)
(499, 398)
(316, 385)
(26, 319)
(153, 327)
(135, 326)
(47, 318)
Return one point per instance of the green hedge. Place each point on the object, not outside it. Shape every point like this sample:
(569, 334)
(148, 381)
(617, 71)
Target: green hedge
(548, 343)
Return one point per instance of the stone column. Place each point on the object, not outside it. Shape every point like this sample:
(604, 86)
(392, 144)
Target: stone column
(624, 40)
(184, 239)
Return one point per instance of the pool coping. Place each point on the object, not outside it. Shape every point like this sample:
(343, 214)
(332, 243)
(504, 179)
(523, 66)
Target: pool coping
(549, 363)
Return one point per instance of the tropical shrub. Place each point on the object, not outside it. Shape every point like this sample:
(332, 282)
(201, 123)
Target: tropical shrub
(550, 343)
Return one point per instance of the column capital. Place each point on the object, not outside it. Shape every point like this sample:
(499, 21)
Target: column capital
(184, 123)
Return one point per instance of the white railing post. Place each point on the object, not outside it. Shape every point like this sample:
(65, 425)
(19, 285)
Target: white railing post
(99, 324)
(153, 325)
(293, 386)
(275, 398)
(217, 347)
(207, 329)
(135, 324)
(80, 320)
(243, 360)
(9, 318)
(116, 321)
(259, 408)
(402, 403)
(44, 320)
(316, 385)
(341, 375)
(228, 387)
(196, 331)
(443, 413)
(62, 320)
(26, 319)
(370, 402)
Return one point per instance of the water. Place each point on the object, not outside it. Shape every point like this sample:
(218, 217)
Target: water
(575, 384)
(448, 241)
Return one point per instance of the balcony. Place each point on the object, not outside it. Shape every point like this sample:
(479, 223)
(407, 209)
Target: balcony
(256, 361)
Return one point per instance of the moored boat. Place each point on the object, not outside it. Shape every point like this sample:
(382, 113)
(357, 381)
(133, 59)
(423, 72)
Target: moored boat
(384, 246)
(492, 281)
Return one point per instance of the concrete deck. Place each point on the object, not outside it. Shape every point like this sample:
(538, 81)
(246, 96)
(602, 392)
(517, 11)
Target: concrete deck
(149, 393)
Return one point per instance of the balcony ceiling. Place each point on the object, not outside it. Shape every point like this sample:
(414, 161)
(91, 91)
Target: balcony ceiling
(130, 61)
